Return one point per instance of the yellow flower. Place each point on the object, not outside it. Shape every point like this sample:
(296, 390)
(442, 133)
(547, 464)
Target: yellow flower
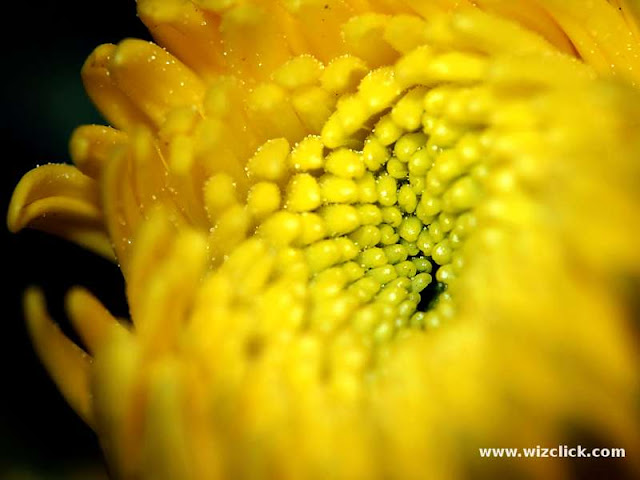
(361, 240)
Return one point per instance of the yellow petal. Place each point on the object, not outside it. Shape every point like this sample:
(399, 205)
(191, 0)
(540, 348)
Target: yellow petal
(187, 32)
(68, 365)
(165, 298)
(600, 34)
(533, 17)
(118, 398)
(92, 146)
(91, 319)
(476, 31)
(153, 79)
(167, 453)
(59, 199)
(104, 92)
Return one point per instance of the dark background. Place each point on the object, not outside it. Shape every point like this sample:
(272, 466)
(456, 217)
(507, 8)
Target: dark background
(43, 48)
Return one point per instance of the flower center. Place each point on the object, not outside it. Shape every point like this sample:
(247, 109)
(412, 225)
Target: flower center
(367, 222)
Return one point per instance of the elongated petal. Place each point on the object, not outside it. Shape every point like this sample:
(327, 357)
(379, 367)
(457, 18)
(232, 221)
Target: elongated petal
(91, 319)
(631, 12)
(533, 17)
(153, 241)
(476, 30)
(68, 365)
(167, 455)
(600, 34)
(168, 296)
(118, 397)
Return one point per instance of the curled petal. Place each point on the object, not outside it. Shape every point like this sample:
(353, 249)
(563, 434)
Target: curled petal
(59, 199)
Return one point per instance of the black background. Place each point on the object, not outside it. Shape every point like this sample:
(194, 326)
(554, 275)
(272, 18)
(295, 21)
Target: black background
(43, 48)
